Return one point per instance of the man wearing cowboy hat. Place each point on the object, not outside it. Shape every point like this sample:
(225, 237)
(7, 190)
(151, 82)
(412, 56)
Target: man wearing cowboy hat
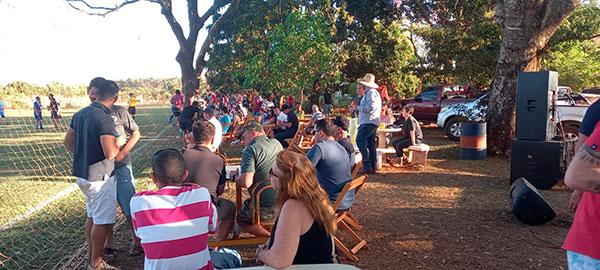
(369, 113)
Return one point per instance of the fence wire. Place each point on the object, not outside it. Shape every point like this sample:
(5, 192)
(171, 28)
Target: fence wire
(42, 211)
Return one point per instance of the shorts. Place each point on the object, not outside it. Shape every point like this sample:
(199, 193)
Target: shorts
(186, 124)
(327, 108)
(125, 188)
(131, 110)
(2, 114)
(38, 116)
(580, 261)
(225, 209)
(176, 111)
(54, 115)
(246, 213)
(100, 199)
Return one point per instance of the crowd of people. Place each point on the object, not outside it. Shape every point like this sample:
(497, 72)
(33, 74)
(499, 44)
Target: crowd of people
(172, 225)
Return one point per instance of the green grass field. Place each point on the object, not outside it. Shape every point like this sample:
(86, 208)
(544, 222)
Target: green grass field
(35, 167)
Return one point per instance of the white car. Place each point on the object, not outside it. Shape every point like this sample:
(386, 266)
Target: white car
(569, 114)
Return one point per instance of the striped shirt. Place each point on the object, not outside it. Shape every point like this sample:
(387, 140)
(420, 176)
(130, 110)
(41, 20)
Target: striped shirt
(173, 224)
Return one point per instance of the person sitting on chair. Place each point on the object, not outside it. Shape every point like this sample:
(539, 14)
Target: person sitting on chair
(331, 163)
(303, 232)
(257, 160)
(207, 169)
(412, 132)
(341, 136)
(173, 222)
(291, 125)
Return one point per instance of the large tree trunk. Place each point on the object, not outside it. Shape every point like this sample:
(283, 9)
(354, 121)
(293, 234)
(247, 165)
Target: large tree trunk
(526, 28)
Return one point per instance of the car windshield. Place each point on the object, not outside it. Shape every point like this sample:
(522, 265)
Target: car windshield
(428, 94)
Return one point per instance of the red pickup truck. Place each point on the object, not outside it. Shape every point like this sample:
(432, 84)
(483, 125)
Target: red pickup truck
(428, 103)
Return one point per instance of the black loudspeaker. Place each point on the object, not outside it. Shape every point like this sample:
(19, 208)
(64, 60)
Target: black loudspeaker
(535, 94)
(539, 161)
(528, 205)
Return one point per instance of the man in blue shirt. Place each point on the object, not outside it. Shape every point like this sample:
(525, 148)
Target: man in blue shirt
(2, 110)
(37, 113)
(331, 163)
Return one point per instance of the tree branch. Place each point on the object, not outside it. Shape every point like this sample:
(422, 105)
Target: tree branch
(167, 11)
(200, 62)
(105, 9)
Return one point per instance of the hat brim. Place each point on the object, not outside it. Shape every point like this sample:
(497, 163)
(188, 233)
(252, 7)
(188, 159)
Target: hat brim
(368, 84)
(239, 133)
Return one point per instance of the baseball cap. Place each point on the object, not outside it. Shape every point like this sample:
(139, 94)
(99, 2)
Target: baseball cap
(250, 126)
(342, 122)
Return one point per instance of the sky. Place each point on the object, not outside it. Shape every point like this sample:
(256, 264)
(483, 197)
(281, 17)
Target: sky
(43, 41)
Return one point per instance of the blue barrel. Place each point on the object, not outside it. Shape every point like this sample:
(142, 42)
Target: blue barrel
(473, 141)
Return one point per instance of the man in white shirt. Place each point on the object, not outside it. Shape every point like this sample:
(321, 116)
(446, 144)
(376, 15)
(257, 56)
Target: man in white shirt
(209, 114)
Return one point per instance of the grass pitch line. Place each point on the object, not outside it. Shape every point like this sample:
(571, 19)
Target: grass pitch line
(38, 207)
(59, 195)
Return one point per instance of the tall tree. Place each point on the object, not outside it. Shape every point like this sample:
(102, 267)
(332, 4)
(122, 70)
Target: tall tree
(526, 27)
(190, 68)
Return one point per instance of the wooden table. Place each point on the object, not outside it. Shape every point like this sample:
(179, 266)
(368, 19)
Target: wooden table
(382, 147)
(382, 133)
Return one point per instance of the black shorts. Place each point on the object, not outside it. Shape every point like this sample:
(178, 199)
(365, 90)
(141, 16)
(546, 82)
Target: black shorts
(131, 110)
(54, 115)
(186, 124)
(177, 112)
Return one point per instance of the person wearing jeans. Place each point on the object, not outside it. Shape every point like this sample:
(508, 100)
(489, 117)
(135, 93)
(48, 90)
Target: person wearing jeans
(369, 118)
(412, 132)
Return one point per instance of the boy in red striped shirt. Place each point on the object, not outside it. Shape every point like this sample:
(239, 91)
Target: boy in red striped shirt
(173, 223)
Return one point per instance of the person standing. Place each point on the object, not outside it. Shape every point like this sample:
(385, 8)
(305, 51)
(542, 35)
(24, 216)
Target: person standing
(2, 110)
(95, 144)
(257, 160)
(256, 104)
(369, 118)
(591, 118)
(53, 108)
(176, 106)
(328, 102)
(37, 113)
(132, 102)
(124, 125)
(583, 174)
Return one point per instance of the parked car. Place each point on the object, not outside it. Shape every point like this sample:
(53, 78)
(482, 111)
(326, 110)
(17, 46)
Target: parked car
(430, 101)
(592, 93)
(568, 115)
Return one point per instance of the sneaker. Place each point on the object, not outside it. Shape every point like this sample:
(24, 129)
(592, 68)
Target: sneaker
(102, 266)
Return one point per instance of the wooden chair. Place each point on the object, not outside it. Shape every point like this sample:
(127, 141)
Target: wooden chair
(357, 167)
(298, 137)
(345, 219)
(255, 202)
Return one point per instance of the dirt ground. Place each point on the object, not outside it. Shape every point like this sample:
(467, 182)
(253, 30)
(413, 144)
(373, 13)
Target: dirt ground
(451, 214)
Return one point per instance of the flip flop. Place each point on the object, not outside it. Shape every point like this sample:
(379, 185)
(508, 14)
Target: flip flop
(136, 251)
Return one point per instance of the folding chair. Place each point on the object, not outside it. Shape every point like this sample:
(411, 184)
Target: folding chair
(345, 217)
(255, 202)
